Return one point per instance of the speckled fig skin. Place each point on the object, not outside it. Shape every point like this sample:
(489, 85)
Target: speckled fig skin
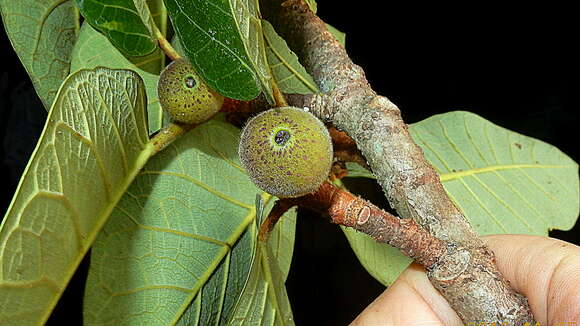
(184, 95)
(286, 151)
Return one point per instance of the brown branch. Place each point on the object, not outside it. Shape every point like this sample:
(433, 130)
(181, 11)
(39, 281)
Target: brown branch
(239, 111)
(344, 208)
(281, 206)
(345, 148)
(466, 276)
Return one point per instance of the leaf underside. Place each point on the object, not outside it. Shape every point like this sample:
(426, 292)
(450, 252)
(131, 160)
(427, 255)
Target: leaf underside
(179, 246)
(93, 144)
(504, 182)
(43, 34)
(224, 42)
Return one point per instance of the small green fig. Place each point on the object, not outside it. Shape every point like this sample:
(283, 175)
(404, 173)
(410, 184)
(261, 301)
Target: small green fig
(286, 151)
(184, 95)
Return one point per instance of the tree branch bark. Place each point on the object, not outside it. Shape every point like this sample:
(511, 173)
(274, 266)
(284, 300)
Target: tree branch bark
(346, 209)
(466, 274)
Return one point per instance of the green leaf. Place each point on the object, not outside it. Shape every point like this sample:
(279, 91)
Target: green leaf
(94, 50)
(357, 171)
(216, 299)
(179, 245)
(92, 146)
(382, 261)
(280, 247)
(154, 62)
(290, 75)
(120, 21)
(154, 16)
(224, 42)
(43, 34)
(504, 182)
(146, 17)
(159, 14)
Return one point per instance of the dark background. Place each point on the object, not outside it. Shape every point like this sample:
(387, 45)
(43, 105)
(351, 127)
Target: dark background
(516, 67)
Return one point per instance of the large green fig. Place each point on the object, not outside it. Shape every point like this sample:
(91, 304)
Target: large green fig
(286, 151)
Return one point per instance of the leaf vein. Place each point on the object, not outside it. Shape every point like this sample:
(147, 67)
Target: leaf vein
(485, 208)
(202, 185)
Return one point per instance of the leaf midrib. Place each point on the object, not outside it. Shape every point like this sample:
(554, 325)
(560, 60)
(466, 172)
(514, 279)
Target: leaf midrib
(444, 177)
(223, 252)
(201, 185)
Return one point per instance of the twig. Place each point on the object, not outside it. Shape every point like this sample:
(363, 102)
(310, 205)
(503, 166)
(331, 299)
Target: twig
(278, 96)
(165, 45)
(348, 210)
(345, 148)
(168, 135)
(280, 207)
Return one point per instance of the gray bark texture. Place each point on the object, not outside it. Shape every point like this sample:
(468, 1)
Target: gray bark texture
(465, 273)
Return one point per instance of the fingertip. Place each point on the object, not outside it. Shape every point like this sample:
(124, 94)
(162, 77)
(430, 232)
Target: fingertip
(411, 300)
(545, 270)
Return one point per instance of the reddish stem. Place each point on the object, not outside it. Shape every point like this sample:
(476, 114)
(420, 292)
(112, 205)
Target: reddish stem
(345, 148)
(346, 209)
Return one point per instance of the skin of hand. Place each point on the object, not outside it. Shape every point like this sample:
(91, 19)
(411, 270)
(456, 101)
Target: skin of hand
(545, 270)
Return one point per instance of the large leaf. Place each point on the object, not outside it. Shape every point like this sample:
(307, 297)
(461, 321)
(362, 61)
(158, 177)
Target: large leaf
(93, 144)
(215, 300)
(224, 42)
(290, 75)
(503, 181)
(43, 34)
(94, 50)
(157, 19)
(179, 245)
(120, 21)
(159, 14)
